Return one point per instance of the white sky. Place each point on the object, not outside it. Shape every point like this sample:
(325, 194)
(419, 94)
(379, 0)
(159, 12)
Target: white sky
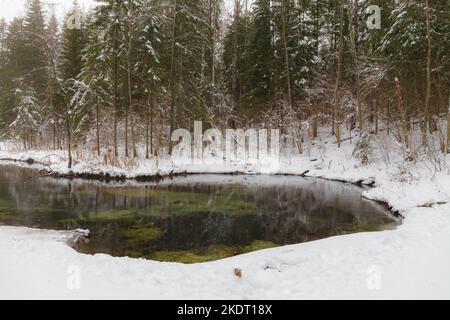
(12, 8)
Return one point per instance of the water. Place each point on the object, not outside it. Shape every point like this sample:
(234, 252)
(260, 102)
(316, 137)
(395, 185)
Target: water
(189, 219)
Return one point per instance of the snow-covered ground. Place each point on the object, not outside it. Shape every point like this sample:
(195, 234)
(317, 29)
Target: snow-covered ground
(412, 261)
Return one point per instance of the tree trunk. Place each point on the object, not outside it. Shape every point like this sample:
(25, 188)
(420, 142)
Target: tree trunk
(388, 118)
(116, 93)
(126, 134)
(427, 118)
(149, 125)
(335, 116)
(54, 135)
(133, 137)
(173, 85)
(315, 126)
(376, 116)
(147, 121)
(448, 127)
(234, 67)
(404, 121)
(69, 146)
(355, 64)
(129, 79)
(372, 114)
(152, 111)
(97, 127)
(285, 4)
(213, 51)
(116, 151)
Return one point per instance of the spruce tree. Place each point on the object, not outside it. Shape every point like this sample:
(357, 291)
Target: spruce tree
(261, 59)
(34, 58)
(73, 44)
(76, 93)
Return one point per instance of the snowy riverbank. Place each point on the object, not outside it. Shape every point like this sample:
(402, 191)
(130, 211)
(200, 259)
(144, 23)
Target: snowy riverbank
(409, 262)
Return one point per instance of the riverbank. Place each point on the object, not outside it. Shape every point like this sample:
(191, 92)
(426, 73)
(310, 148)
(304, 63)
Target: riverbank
(409, 262)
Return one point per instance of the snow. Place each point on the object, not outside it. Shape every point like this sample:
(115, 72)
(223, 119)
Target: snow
(413, 262)
(410, 262)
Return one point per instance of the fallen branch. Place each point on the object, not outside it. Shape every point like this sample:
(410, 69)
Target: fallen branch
(29, 161)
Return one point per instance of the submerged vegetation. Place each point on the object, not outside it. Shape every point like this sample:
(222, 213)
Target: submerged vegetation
(142, 233)
(108, 216)
(210, 253)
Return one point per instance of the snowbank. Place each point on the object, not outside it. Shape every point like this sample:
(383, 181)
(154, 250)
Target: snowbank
(410, 262)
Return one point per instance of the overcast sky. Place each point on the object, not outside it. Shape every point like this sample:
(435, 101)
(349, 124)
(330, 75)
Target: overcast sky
(12, 8)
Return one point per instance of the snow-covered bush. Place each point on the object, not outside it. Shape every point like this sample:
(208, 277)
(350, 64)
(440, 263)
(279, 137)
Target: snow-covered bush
(363, 148)
(28, 115)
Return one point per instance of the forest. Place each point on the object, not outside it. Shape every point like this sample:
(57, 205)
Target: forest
(352, 200)
(119, 78)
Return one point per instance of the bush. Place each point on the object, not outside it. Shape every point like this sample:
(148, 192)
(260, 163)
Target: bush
(363, 149)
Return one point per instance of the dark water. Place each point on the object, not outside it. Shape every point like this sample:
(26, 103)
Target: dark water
(189, 219)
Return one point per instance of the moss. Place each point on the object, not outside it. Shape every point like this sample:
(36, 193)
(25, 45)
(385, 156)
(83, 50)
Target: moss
(142, 233)
(71, 221)
(134, 254)
(129, 192)
(194, 256)
(258, 245)
(167, 202)
(5, 204)
(111, 215)
(6, 214)
(229, 189)
(368, 226)
(202, 205)
(7, 209)
(211, 253)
